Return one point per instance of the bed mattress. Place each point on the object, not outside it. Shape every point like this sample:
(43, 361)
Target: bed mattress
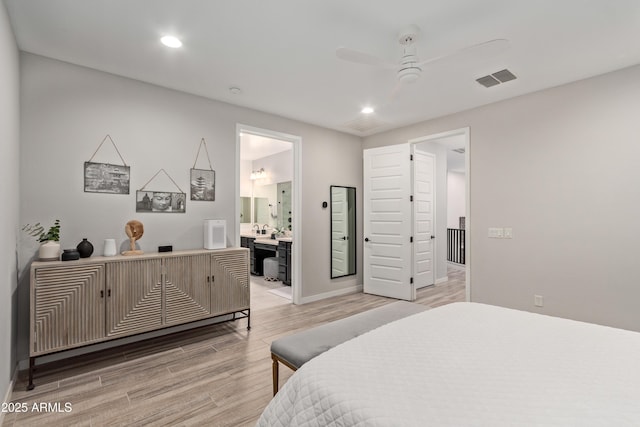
(469, 364)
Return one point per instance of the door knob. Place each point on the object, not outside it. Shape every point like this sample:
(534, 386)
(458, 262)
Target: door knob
(366, 239)
(344, 237)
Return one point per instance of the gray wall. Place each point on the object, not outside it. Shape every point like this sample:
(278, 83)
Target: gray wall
(67, 110)
(9, 209)
(560, 166)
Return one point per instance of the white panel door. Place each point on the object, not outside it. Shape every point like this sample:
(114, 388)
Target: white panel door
(387, 222)
(423, 217)
(339, 233)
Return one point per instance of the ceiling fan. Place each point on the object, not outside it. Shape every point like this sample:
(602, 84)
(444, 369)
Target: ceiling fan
(409, 68)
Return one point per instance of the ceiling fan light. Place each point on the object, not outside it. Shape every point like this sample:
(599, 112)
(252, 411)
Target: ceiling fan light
(409, 75)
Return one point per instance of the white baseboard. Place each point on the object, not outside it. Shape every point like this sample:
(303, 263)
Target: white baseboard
(442, 280)
(456, 266)
(7, 395)
(318, 297)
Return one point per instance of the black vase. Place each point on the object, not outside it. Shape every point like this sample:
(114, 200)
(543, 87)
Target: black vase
(85, 248)
(70, 255)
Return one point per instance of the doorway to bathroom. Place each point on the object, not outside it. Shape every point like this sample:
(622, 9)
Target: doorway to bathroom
(267, 186)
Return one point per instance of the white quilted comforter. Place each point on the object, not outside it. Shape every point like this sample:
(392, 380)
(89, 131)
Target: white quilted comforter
(469, 364)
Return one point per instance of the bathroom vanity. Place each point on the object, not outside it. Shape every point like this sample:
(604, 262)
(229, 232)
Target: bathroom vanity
(263, 247)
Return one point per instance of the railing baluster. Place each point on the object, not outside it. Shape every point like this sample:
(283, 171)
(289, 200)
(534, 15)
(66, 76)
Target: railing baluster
(455, 245)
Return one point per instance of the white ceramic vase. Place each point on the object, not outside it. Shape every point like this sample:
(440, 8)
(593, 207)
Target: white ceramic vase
(49, 251)
(109, 247)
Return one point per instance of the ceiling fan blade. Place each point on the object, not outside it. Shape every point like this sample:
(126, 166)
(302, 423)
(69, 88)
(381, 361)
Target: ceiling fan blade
(363, 58)
(396, 90)
(487, 48)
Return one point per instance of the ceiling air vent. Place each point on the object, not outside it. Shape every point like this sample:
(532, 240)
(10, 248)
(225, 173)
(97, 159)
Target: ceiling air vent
(365, 123)
(496, 78)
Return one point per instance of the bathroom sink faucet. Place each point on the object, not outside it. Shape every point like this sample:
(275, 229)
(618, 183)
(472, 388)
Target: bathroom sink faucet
(257, 227)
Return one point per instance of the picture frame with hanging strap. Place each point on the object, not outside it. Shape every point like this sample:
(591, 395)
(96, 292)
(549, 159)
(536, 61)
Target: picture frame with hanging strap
(203, 181)
(161, 201)
(106, 177)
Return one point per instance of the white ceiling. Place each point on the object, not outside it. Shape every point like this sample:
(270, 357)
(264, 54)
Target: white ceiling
(254, 147)
(281, 53)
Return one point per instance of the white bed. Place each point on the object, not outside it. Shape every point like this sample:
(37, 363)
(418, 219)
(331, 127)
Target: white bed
(469, 364)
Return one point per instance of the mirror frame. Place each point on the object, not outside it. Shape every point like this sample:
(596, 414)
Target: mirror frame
(352, 218)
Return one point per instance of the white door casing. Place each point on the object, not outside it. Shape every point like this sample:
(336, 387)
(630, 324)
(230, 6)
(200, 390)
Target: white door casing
(296, 199)
(387, 227)
(423, 217)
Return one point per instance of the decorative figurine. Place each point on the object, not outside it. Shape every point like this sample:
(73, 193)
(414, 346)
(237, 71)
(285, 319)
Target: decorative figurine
(134, 230)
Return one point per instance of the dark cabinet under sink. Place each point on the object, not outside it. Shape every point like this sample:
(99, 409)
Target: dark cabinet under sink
(259, 251)
(284, 259)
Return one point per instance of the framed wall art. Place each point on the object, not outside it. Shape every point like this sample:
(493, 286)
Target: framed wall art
(203, 185)
(161, 201)
(203, 181)
(106, 177)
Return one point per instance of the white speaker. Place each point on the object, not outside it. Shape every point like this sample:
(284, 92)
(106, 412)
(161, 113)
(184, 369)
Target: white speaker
(215, 233)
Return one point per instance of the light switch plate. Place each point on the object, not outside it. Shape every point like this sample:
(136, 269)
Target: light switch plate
(496, 233)
(508, 233)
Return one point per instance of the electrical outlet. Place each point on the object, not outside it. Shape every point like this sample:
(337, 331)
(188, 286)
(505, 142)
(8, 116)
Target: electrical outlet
(538, 301)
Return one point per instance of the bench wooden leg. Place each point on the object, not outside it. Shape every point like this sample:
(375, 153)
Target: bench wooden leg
(275, 370)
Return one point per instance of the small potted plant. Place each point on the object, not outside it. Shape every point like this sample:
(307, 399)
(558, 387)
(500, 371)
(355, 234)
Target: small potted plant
(50, 247)
(277, 232)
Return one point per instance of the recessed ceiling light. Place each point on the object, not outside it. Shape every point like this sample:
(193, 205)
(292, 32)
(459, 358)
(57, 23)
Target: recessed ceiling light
(367, 110)
(171, 41)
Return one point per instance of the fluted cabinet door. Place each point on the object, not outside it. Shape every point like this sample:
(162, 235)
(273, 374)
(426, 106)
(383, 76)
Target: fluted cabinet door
(187, 291)
(230, 281)
(134, 296)
(67, 306)
(87, 301)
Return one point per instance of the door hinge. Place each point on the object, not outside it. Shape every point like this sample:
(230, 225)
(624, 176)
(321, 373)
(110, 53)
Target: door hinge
(411, 239)
(410, 156)
(411, 280)
(411, 198)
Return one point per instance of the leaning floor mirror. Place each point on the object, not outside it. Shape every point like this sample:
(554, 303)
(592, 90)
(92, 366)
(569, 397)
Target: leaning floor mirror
(343, 231)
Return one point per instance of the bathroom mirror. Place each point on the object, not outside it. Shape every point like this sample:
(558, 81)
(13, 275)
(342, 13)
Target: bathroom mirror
(261, 210)
(245, 210)
(343, 231)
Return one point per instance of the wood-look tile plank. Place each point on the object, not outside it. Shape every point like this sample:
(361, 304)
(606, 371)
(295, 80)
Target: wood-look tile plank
(216, 375)
(163, 412)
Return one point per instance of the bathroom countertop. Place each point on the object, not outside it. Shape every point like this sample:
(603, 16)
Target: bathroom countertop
(266, 239)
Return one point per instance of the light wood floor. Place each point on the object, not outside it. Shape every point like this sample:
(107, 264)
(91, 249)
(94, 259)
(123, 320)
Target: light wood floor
(218, 375)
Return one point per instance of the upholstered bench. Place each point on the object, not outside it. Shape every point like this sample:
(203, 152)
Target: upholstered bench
(295, 350)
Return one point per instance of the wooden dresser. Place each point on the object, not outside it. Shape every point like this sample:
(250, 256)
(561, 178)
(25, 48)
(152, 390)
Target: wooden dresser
(91, 300)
